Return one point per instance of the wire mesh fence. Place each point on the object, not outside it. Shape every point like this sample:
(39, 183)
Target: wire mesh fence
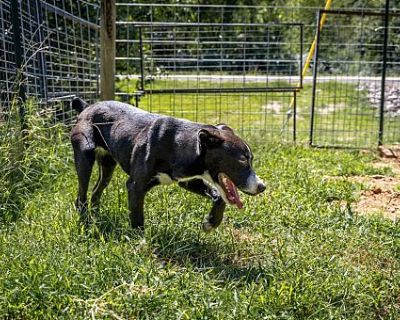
(198, 55)
(230, 70)
(212, 69)
(192, 74)
(7, 61)
(238, 64)
(348, 80)
(49, 53)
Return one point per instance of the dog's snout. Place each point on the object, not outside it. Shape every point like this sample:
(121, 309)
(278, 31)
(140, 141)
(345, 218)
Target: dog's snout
(261, 187)
(254, 185)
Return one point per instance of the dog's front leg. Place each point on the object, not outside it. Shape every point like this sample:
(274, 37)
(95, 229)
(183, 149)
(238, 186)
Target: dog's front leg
(215, 216)
(136, 195)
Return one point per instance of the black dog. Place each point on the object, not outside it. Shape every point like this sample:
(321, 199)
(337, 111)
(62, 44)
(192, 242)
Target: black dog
(154, 149)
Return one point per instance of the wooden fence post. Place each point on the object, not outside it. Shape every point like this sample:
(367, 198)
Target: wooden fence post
(107, 49)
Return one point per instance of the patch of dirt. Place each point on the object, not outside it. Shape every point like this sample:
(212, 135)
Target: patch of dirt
(381, 196)
(389, 157)
(329, 108)
(386, 203)
(394, 165)
(274, 106)
(383, 193)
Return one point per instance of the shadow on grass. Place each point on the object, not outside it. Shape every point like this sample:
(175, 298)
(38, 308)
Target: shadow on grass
(109, 226)
(187, 249)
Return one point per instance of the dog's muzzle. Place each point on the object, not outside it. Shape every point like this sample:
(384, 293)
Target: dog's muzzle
(254, 185)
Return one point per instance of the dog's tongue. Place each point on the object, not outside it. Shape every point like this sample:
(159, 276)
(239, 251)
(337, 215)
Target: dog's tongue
(233, 195)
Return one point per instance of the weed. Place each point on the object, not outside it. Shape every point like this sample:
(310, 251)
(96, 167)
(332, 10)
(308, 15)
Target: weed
(28, 157)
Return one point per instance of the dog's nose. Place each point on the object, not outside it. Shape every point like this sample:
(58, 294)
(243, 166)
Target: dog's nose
(261, 187)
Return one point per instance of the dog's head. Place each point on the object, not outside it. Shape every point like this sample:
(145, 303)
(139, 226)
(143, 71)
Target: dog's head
(229, 162)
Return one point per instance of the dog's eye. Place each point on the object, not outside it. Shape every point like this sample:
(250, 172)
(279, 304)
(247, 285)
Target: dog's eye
(243, 161)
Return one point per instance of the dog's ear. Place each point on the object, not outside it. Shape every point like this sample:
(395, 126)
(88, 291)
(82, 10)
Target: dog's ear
(78, 104)
(209, 138)
(223, 126)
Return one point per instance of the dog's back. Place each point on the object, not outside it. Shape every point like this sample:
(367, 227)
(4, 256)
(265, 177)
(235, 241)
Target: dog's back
(118, 127)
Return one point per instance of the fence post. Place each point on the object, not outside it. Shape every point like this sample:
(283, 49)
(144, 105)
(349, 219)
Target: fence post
(141, 59)
(107, 49)
(41, 54)
(294, 116)
(19, 54)
(315, 74)
(383, 79)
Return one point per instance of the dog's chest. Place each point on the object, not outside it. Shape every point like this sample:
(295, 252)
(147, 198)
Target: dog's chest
(164, 178)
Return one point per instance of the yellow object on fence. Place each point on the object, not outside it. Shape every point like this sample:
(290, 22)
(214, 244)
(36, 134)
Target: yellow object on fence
(312, 49)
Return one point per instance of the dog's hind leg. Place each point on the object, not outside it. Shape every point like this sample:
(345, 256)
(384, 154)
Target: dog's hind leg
(84, 155)
(215, 216)
(106, 168)
(84, 163)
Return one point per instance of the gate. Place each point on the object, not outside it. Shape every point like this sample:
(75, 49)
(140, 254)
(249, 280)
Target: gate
(213, 72)
(356, 83)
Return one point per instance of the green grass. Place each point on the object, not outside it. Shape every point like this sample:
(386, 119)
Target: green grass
(295, 252)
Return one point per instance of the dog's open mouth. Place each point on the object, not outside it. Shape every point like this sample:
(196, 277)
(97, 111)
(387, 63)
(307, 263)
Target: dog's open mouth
(230, 190)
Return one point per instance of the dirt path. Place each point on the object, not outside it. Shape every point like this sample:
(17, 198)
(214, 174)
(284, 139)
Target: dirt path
(382, 194)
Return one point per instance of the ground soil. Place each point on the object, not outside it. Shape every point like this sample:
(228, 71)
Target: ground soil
(382, 193)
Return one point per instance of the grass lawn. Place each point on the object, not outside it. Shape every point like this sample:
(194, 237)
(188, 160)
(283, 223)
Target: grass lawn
(296, 252)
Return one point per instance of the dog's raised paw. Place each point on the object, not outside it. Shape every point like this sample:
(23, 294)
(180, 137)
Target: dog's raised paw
(207, 227)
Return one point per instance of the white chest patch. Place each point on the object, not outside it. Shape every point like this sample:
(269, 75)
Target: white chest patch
(205, 177)
(164, 178)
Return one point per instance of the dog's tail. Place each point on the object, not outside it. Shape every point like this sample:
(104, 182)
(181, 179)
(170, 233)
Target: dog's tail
(78, 104)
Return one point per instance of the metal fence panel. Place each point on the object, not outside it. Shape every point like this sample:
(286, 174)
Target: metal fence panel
(391, 125)
(212, 71)
(347, 92)
(58, 52)
(201, 57)
(214, 63)
(7, 58)
(349, 71)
